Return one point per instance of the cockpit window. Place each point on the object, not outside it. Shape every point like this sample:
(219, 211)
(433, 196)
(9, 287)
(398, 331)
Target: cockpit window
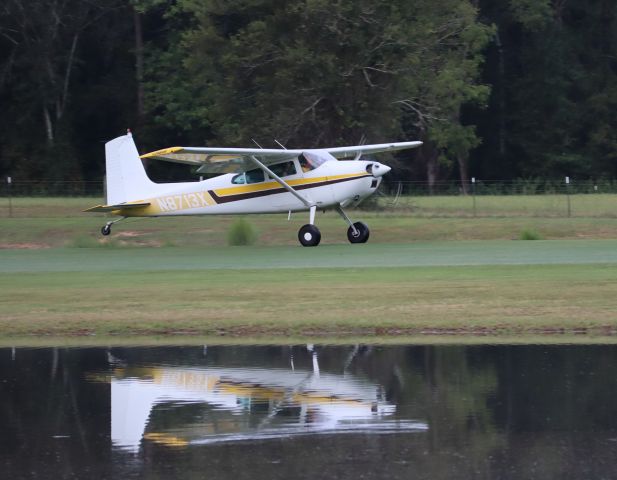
(311, 160)
(283, 169)
(250, 176)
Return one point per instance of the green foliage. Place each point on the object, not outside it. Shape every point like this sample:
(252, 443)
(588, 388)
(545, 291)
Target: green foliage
(533, 14)
(314, 73)
(241, 232)
(530, 234)
(320, 73)
(555, 83)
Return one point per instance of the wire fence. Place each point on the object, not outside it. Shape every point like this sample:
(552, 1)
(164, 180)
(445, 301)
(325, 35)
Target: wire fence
(498, 187)
(441, 199)
(76, 188)
(17, 188)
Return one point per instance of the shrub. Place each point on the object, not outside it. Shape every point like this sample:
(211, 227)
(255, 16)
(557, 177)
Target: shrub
(241, 232)
(530, 235)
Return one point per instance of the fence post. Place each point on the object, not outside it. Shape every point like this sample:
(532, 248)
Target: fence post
(568, 196)
(9, 182)
(473, 193)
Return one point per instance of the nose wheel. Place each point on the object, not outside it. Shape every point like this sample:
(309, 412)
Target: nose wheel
(309, 235)
(358, 233)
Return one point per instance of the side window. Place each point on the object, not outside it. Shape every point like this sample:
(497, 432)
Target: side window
(250, 176)
(283, 169)
(254, 176)
(239, 179)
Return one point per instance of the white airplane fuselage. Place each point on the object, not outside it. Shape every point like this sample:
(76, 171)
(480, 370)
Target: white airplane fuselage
(333, 183)
(267, 181)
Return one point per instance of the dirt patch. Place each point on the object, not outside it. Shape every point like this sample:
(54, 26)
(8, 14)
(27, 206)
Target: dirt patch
(129, 234)
(24, 246)
(257, 332)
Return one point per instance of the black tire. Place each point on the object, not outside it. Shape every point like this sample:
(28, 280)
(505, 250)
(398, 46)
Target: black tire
(106, 230)
(309, 235)
(361, 235)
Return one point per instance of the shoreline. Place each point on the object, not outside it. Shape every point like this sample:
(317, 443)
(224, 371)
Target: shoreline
(428, 338)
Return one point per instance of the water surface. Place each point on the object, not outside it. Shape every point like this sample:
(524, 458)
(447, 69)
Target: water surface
(356, 411)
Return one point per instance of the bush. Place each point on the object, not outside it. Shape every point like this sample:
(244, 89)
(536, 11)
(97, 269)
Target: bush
(241, 232)
(530, 235)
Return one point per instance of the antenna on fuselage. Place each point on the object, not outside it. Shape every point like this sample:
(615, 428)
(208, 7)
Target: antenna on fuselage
(280, 144)
(255, 142)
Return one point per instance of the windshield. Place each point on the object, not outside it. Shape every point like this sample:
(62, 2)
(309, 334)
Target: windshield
(312, 160)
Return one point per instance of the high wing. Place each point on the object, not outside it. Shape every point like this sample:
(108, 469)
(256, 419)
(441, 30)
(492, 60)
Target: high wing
(221, 160)
(346, 152)
(229, 160)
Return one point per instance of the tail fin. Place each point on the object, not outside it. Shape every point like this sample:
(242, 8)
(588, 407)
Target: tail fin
(126, 177)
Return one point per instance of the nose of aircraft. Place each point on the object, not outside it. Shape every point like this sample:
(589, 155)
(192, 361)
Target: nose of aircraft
(379, 169)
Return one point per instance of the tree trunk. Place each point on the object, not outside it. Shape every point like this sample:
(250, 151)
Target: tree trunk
(139, 64)
(463, 169)
(49, 129)
(501, 102)
(428, 156)
(431, 172)
(67, 76)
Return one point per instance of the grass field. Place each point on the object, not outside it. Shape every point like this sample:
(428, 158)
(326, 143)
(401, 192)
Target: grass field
(59, 222)
(545, 205)
(452, 287)
(177, 276)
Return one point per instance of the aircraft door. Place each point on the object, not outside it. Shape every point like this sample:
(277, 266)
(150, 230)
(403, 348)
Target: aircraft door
(315, 171)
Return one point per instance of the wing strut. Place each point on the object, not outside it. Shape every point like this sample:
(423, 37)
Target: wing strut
(284, 184)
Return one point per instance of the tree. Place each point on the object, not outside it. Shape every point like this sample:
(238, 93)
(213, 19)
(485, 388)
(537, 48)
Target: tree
(42, 51)
(321, 73)
(554, 75)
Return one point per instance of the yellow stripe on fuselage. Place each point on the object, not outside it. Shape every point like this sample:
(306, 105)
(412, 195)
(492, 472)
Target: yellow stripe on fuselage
(272, 185)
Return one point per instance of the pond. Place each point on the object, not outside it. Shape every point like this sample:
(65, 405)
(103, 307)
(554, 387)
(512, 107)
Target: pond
(309, 411)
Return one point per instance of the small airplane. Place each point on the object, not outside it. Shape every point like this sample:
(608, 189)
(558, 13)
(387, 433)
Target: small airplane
(250, 180)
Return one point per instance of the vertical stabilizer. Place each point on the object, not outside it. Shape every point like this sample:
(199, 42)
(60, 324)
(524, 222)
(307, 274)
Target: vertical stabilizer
(126, 177)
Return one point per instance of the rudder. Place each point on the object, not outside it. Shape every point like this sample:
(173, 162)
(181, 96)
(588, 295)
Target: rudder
(126, 177)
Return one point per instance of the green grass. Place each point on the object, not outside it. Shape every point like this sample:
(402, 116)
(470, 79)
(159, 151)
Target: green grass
(530, 234)
(547, 205)
(284, 302)
(241, 233)
(419, 274)
(370, 255)
(386, 227)
(446, 288)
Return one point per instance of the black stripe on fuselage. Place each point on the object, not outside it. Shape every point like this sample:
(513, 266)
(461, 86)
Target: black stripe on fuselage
(274, 191)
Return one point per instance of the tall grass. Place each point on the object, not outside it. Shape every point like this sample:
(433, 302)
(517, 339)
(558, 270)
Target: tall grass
(241, 232)
(530, 234)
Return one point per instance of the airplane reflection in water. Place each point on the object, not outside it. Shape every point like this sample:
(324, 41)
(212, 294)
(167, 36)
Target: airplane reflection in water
(182, 406)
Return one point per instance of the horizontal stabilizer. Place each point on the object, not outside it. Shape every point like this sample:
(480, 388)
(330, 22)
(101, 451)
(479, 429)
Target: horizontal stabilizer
(120, 206)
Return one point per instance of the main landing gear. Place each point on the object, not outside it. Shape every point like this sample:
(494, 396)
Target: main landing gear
(310, 236)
